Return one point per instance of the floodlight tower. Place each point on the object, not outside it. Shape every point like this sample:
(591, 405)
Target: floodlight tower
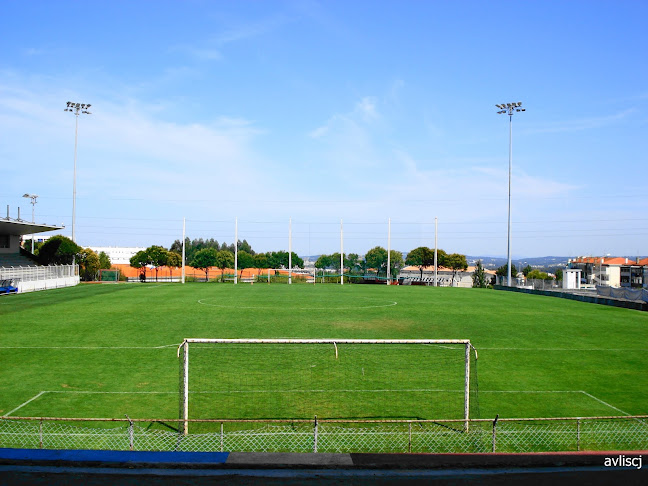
(509, 109)
(77, 109)
(33, 198)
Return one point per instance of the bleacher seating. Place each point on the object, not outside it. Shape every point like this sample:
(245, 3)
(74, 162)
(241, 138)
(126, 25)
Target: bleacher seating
(16, 260)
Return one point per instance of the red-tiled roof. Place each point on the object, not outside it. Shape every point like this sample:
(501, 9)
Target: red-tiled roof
(619, 261)
(609, 261)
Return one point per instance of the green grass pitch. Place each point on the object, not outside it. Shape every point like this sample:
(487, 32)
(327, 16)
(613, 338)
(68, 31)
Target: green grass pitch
(110, 350)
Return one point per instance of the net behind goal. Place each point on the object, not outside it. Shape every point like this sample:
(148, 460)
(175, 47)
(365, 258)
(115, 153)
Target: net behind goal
(348, 379)
(111, 275)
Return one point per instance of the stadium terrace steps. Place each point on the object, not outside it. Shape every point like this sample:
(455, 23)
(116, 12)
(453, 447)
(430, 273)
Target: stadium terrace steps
(16, 260)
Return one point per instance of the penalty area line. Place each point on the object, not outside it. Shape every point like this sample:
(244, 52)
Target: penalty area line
(164, 346)
(23, 404)
(604, 403)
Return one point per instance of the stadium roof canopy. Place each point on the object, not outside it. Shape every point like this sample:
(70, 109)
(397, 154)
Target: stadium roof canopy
(19, 227)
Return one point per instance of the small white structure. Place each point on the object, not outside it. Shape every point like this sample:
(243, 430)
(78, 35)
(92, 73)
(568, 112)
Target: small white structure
(571, 278)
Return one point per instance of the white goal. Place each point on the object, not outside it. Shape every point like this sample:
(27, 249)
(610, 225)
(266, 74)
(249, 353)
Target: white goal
(329, 378)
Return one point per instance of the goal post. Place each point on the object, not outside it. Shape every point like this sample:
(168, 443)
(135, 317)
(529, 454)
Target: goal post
(329, 378)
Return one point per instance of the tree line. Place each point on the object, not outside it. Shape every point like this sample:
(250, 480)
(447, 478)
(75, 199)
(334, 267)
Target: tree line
(205, 254)
(376, 260)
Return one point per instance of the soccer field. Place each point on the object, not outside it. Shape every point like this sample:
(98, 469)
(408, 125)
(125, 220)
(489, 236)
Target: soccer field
(110, 350)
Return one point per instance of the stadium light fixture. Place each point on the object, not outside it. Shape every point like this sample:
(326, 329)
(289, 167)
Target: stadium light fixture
(33, 198)
(77, 109)
(509, 109)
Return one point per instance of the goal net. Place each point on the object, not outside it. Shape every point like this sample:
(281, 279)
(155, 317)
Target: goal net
(283, 275)
(343, 379)
(111, 275)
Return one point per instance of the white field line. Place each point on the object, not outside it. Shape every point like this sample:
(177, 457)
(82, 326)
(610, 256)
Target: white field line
(220, 392)
(566, 349)
(235, 306)
(91, 393)
(605, 403)
(92, 347)
(22, 405)
(381, 390)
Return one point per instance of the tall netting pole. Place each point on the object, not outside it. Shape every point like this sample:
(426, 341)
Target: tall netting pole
(184, 383)
(341, 254)
(467, 388)
(388, 251)
(184, 227)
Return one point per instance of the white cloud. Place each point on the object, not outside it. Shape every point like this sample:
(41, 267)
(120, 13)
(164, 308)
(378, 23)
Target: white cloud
(366, 108)
(351, 123)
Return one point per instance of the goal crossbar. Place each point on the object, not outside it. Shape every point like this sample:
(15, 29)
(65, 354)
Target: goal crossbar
(323, 341)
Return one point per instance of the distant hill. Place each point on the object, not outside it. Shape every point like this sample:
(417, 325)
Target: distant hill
(546, 262)
(536, 262)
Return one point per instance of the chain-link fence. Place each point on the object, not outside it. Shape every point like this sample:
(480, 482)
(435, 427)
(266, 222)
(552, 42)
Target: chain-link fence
(504, 435)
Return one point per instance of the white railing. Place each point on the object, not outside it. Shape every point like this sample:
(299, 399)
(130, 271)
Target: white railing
(32, 278)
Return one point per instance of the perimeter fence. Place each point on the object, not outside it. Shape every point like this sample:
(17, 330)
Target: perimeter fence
(436, 436)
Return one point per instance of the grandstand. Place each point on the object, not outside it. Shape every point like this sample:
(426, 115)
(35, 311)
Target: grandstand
(20, 269)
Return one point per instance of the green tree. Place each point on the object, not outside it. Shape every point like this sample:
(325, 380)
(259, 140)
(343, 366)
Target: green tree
(502, 271)
(206, 258)
(324, 261)
(352, 262)
(245, 246)
(174, 260)
(537, 275)
(377, 258)
(421, 257)
(104, 261)
(297, 261)
(559, 274)
(157, 257)
(279, 259)
(261, 260)
(479, 276)
(224, 259)
(526, 270)
(335, 261)
(26, 244)
(245, 260)
(456, 261)
(395, 263)
(59, 250)
(89, 265)
(141, 261)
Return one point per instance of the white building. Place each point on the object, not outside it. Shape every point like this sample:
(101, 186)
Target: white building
(118, 254)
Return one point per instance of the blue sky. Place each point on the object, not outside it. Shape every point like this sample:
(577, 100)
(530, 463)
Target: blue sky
(322, 111)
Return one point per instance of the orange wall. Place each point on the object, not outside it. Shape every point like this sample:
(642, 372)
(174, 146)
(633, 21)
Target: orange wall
(214, 272)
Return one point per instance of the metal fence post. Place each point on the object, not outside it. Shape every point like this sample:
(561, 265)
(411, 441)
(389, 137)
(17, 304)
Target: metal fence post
(315, 435)
(221, 438)
(40, 434)
(494, 432)
(578, 434)
(131, 440)
(409, 444)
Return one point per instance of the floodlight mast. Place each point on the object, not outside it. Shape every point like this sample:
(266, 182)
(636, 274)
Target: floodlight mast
(33, 198)
(509, 109)
(76, 109)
